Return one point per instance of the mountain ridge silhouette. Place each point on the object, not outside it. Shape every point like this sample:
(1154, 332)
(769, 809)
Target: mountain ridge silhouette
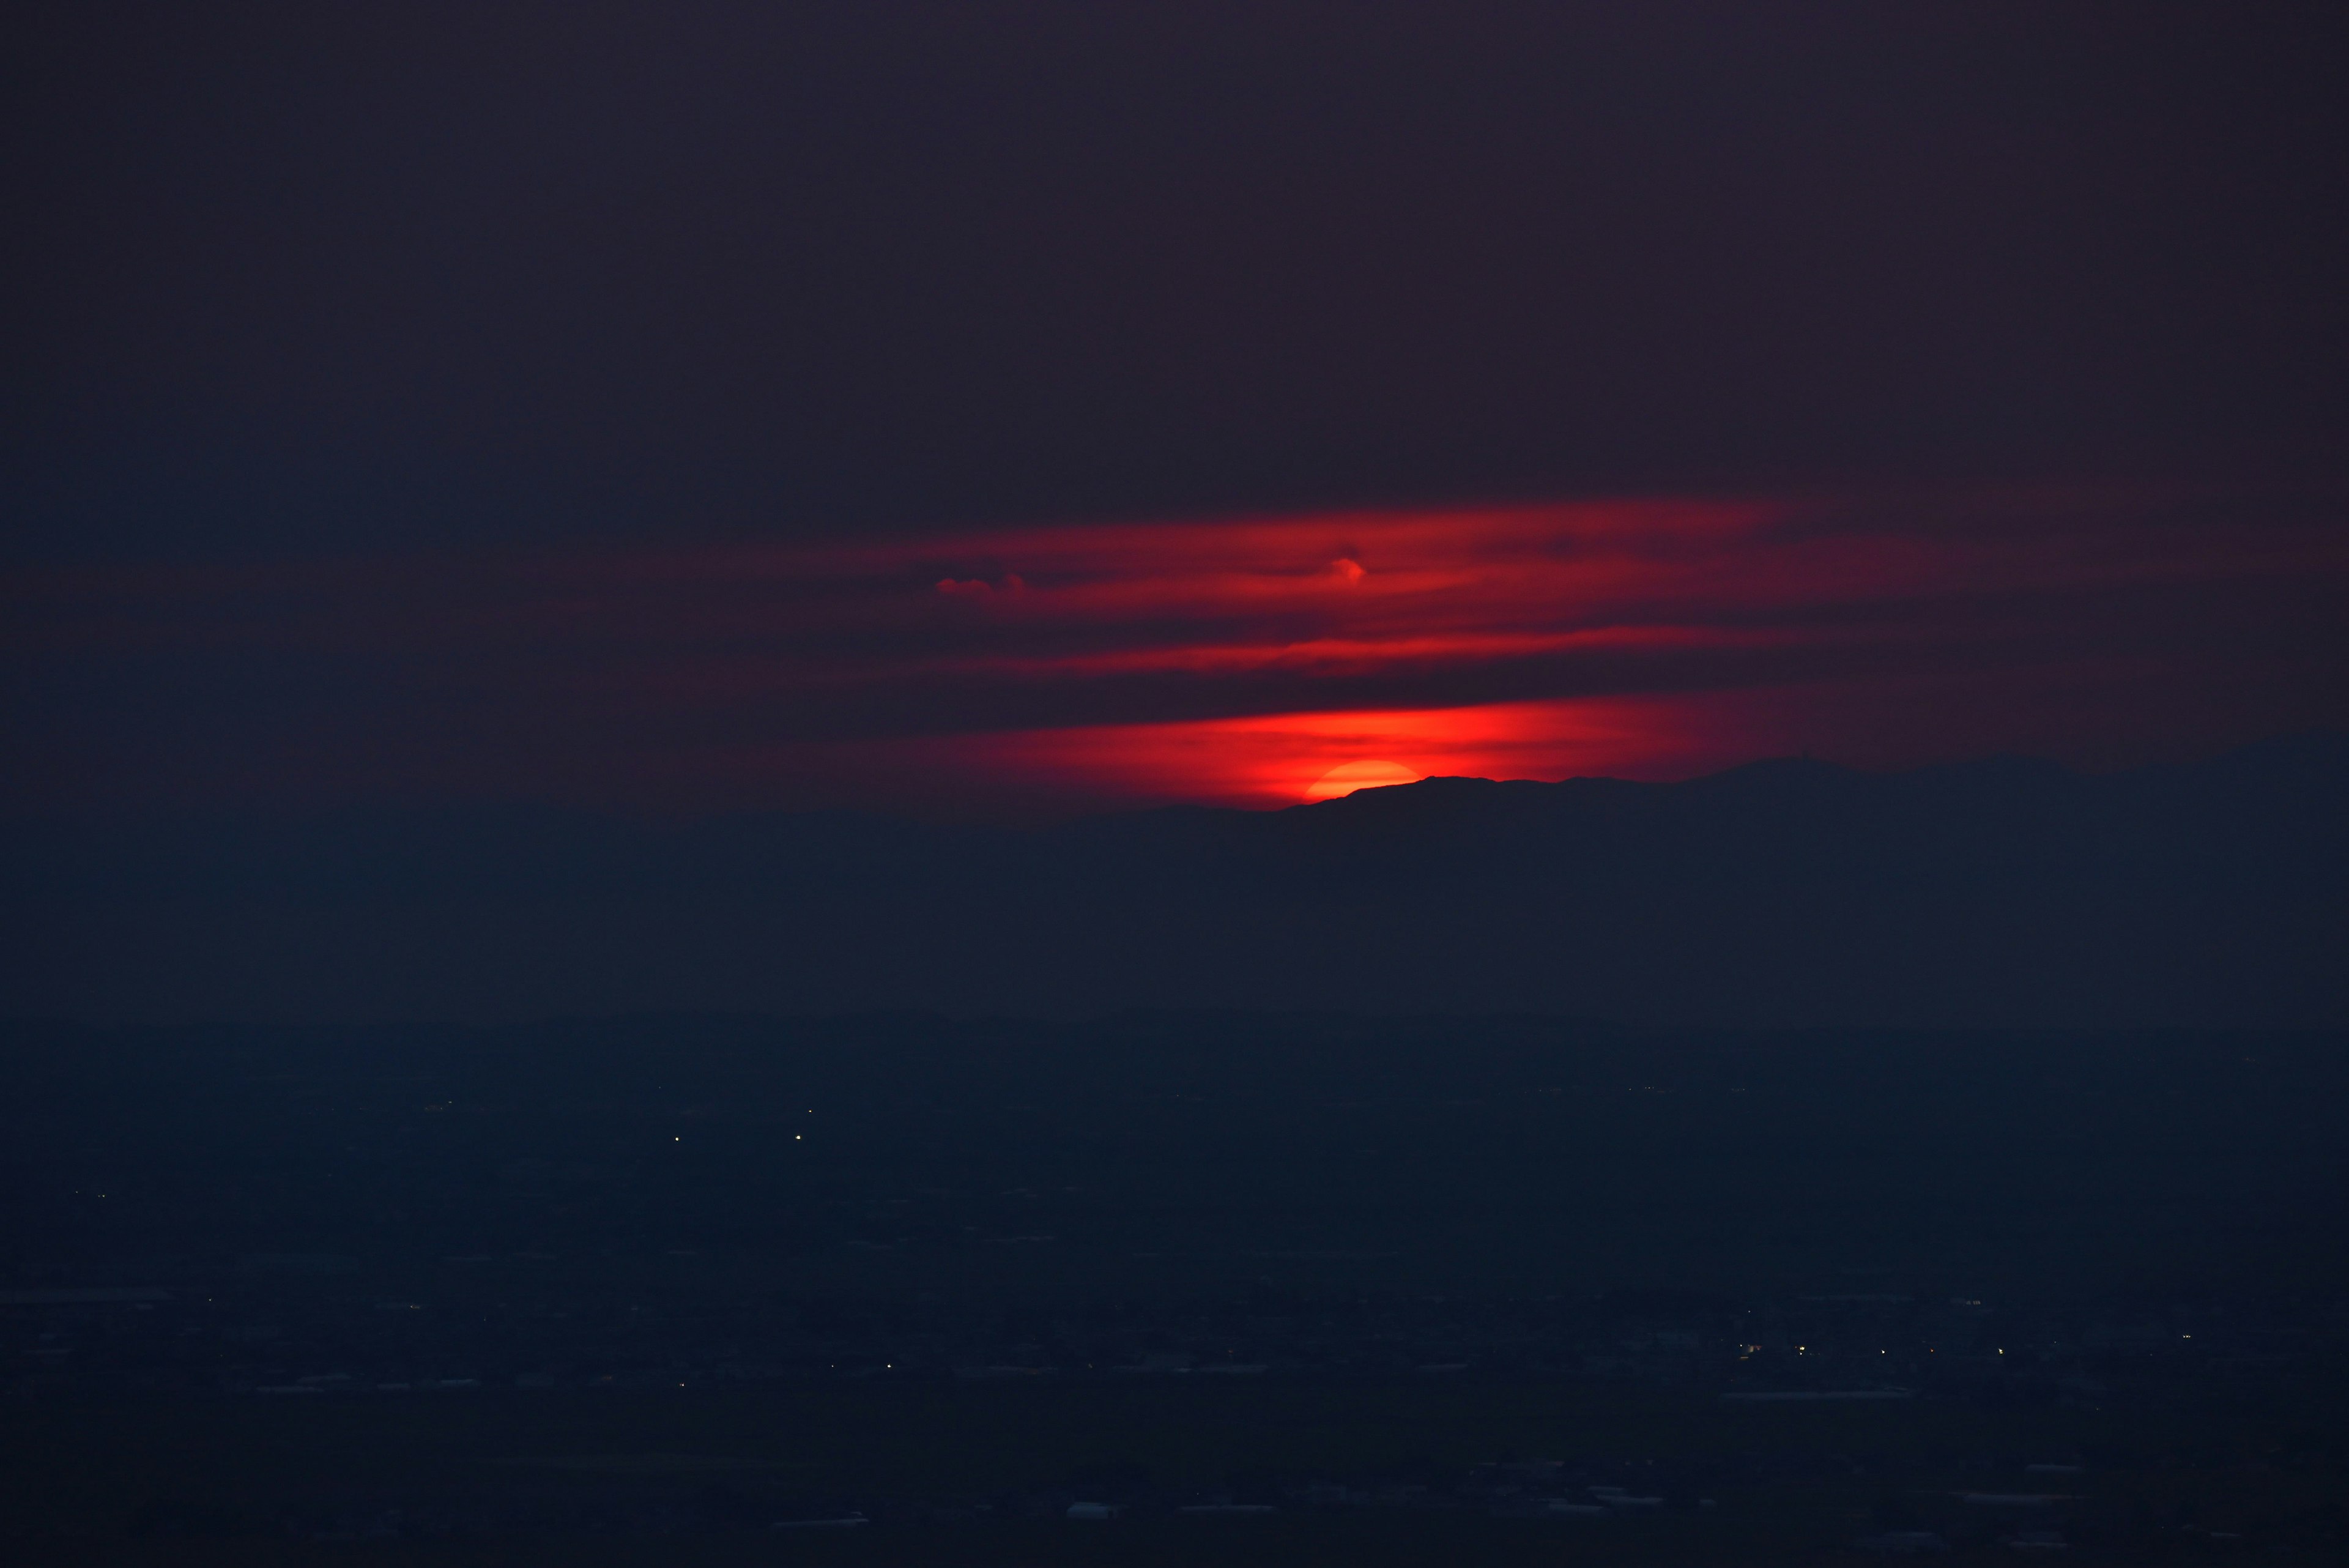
(1787, 892)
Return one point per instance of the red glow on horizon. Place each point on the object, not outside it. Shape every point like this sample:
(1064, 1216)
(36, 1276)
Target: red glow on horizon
(1347, 778)
(1217, 661)
(1270, 761)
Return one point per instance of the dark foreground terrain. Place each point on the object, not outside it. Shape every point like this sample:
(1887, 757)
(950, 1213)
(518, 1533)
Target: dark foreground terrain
(1264, 1290)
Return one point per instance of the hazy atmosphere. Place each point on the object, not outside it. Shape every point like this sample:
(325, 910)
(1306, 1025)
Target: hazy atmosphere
(1110, 784)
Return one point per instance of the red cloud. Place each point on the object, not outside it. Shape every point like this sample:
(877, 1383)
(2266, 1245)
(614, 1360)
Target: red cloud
(1227, 661)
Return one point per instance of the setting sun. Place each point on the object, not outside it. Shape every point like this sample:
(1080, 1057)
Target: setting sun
(1350, 776)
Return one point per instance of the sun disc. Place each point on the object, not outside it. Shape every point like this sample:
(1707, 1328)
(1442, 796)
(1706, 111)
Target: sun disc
(1348, 777)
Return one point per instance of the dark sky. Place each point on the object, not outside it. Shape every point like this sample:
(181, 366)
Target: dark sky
(317, 308)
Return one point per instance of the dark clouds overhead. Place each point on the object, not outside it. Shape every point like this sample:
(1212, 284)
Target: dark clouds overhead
(344, 279)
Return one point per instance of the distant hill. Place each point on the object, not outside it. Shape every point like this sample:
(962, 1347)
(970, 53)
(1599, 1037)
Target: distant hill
(2003, 892)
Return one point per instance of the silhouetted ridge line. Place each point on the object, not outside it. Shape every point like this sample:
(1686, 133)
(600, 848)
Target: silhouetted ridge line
(1788, 892)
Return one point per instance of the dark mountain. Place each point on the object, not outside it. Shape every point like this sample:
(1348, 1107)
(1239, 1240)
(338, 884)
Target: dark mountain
(2004, 892)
